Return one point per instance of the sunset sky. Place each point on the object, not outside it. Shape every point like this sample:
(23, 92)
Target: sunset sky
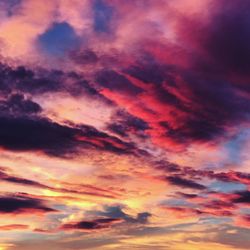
(125, 124)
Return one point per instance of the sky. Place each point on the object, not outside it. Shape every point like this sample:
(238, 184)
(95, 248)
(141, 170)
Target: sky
(124, 124)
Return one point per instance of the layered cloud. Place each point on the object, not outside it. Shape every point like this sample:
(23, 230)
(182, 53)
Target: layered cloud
(124, 124)
(21, 204)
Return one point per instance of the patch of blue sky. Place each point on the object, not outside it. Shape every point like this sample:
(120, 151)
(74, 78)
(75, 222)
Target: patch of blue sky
(214, 221)
(177, 202)
(226, 187)
(58, 39)
(103, 14)
(235, 146)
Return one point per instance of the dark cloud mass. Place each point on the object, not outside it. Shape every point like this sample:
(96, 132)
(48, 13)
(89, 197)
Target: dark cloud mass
(124, 124)
(39, 81)
(18, 204)
(115, 81)
(18, 104)
(242, 197)
(24, 133)
(91, 225)
(228, 36)
(184, 183)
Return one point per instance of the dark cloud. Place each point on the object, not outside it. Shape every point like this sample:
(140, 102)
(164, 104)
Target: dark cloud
(91, 225)
(212, 106)
(41, 84)
(116, 212)
(242, 197)
(114, 81)
(149, 71)
(84, 57)
(24, 133)
(205, 116)
(39, 81)
(199, 108)
(185, 183)
(22, 181)
(101, 140)
(143, 217)
(18, 104)
(19, 204)
(187, 196)
(123, 124)
(205, 104)
(227, 36)
(208, 94)
(26, 80)
(167, 166)
(234, 177)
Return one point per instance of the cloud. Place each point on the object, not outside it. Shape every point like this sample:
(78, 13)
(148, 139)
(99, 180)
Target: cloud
(24, 133)
(242, 197)
(182, 212)
(84, 57)
(22, 181)
(13, 227)
(187, 196)
(124, 125)
(21, 205)
(53, 138)
(110, 215)
(76, 189)
(162, 84)
(118, 213)
(91, 225)
(181, 103)
(117, 82)
(185, 183)
(18, 104)
(225, 38)
(190, 110)
(36, 81)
